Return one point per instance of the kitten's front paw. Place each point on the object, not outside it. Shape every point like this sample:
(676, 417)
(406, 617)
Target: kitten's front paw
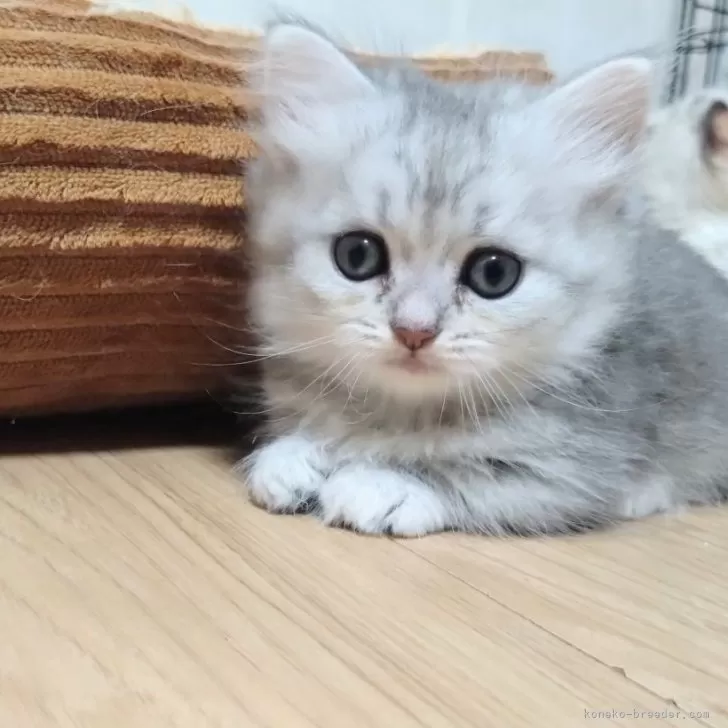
(377, 500)
(284, 476)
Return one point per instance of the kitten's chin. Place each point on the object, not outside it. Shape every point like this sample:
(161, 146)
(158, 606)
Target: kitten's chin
(414, 366)
(413, 378)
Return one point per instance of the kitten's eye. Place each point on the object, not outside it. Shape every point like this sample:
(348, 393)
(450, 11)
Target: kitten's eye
(360, 255)
(490, 272)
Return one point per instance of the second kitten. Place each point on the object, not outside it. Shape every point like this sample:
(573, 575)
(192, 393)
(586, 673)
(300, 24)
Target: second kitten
(686, 172)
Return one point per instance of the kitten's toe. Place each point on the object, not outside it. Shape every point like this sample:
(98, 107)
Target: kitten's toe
(284, 476)
(656, 495)
(380, 501)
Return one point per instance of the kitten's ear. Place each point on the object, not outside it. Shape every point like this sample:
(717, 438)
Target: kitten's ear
(715, 130)
(303, 72)
(606, 108)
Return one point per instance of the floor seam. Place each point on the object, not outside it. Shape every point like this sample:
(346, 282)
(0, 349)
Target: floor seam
(530, 620)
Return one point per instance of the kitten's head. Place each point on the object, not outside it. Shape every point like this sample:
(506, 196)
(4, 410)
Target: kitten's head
(416, 239)
(686, 164)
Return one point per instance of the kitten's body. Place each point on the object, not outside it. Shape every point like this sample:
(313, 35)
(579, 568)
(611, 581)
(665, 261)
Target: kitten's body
(643, 432)
(596, 391)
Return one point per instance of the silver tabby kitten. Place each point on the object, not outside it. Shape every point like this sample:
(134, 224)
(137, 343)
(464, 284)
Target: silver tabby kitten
(467, 321)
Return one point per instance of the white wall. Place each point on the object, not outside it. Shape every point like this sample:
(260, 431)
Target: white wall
(572, 33)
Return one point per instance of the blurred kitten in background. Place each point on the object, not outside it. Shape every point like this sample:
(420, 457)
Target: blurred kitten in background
(686, 172)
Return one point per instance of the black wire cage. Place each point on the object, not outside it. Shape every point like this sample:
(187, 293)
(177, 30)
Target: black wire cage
(700, 47)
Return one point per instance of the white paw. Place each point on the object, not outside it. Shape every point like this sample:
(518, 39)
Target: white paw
(284, 476)
(377, 500)
(647, 499)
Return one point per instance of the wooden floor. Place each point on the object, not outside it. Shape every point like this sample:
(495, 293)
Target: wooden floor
(138, 588)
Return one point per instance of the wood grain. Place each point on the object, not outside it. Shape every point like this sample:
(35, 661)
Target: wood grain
(139, 588)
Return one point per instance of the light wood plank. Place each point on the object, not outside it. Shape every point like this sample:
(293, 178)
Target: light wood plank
(139, 588)
(650, 599)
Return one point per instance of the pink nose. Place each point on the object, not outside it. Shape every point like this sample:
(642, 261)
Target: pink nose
(413, 339)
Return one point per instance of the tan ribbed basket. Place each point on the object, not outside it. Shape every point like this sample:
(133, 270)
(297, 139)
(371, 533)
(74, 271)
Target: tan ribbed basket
(122, 154)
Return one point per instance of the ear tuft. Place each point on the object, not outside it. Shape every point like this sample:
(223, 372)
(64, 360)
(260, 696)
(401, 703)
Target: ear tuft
(608, 106)
(301, 72)
(715, 128)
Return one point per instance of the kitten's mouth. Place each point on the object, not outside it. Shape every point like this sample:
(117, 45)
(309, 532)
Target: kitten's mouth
(413, 364)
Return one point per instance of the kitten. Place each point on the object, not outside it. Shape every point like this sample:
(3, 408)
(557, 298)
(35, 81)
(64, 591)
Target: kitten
(467, 321)
(686, 172)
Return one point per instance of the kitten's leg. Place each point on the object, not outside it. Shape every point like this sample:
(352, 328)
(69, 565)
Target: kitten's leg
(375, 499)
(284, 475)
(525, 504)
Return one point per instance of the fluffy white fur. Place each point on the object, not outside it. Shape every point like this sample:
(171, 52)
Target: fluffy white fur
(686, 172)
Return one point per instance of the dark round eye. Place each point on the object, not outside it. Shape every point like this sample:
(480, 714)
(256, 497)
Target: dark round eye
(360, 255)
(491, 273)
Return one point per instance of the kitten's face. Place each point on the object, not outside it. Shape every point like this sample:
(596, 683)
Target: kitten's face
(415, 245)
